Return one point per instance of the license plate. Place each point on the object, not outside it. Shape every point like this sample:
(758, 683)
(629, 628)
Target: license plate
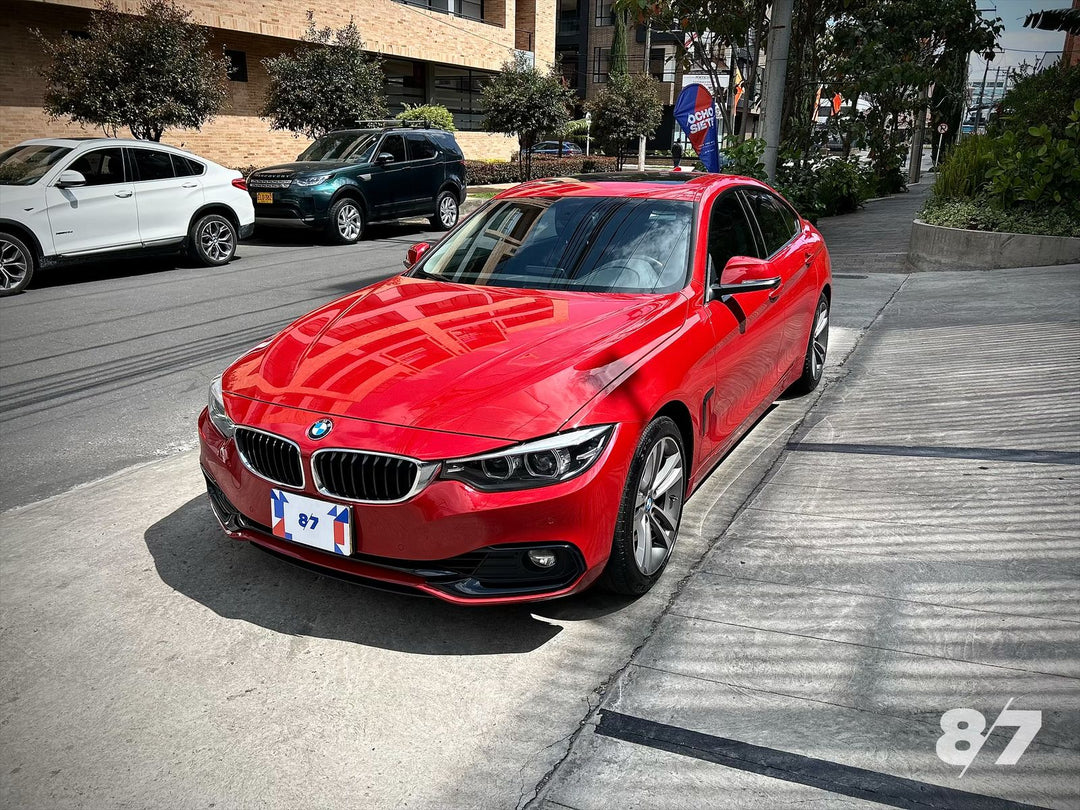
(311, 522)
(264, 197)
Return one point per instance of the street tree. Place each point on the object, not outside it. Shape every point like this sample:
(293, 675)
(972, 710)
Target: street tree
(704, 30)
(149, 71)
(328, 83)
(626, 109)
(528, 103)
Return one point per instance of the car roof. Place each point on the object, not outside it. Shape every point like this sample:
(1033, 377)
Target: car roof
(72, 143)
(690, 186)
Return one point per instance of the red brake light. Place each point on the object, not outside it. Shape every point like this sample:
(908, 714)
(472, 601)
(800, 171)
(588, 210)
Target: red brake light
(240, 183)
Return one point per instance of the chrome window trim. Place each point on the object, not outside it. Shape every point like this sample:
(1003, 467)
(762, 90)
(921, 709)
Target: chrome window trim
(425, 473)
(253, 471)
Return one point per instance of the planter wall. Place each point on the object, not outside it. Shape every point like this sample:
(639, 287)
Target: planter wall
(934, 247)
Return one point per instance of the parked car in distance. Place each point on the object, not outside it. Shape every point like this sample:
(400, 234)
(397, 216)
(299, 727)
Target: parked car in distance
(65, 199)
(552, 148)
(523, 412)
(348, 179)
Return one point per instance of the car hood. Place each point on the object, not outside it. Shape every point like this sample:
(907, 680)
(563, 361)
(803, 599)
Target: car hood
(501, 363)
(302, 167)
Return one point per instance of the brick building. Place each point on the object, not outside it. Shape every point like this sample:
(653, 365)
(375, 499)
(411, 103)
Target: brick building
(437, 51)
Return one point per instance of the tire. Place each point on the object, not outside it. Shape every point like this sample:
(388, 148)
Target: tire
(634, 566)
(446, 211)
(16, 264)
(212, 240)
(346, 222)
(817, 348)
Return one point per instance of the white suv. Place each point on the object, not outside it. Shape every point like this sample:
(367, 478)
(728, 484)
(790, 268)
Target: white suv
(65, 199)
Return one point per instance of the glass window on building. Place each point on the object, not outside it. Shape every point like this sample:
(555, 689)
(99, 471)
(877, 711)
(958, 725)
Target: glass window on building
(459, 90)
(568, 20)
(470, 9)
(601, 59)
(567, 58)
(603, 13)
(405, 84)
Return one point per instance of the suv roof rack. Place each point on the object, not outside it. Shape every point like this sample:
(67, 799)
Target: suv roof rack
(393, 123)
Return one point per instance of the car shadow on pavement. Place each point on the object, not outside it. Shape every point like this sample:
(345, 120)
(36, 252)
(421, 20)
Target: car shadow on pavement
(110, 268)
(237, 581)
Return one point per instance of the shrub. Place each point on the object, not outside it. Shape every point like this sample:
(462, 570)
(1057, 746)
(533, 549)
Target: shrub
(744, 158)
(485, 172)
(963, 172)
(1036, 168)
(1045, 97)
(981, 215)
(432, 115)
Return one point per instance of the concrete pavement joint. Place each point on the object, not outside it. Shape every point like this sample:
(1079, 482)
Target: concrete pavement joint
(895, 650)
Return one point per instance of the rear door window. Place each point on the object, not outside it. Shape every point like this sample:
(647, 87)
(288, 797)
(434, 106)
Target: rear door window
(420, 148)
(185, 167)
(150, 164)
(775, 220)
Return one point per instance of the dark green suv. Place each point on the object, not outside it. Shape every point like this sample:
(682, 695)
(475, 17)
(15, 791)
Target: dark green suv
(349, 178)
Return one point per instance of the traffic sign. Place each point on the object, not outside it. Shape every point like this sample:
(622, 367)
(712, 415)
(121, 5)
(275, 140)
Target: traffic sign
(943, 128)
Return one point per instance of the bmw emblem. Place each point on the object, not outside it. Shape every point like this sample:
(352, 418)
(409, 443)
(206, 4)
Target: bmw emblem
(320, 429)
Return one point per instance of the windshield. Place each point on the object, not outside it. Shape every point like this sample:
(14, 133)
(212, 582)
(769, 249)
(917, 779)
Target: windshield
(354, 146)
(592, 244)
(25, 165)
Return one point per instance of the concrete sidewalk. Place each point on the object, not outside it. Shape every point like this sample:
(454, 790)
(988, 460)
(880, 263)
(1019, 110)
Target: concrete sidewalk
(915, 549)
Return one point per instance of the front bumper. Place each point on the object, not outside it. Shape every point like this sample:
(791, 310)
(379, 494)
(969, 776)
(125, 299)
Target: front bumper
(450, 540)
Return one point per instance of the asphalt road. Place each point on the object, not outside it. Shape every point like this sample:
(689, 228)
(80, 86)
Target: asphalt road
(106, 365)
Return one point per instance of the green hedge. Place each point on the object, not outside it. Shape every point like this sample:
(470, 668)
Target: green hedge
(982, 215)
(487, 172)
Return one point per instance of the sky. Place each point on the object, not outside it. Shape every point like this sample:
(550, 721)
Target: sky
(1020, 44)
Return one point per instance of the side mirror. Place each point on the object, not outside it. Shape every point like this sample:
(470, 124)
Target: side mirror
(384, 157)
(69, 178)
(416, 252)
(744, 274)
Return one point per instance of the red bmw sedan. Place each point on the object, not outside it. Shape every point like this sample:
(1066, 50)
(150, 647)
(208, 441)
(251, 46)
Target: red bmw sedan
(523, 412)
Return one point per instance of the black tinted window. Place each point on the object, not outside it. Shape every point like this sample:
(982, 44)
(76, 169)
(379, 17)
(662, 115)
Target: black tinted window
(100, 167)
(420, 148)
(776, 221)
(590, 244)
(395, 145)
(152, 165)
(447, 142)
(729, 233)
(184, 167)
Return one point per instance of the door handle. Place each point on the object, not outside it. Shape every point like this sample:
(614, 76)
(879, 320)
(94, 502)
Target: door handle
(190, 185)
(123, 194)
(774, 293)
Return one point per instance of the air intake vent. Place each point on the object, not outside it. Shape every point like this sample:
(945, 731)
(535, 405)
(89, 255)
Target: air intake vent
(274, 458)
(364, 476)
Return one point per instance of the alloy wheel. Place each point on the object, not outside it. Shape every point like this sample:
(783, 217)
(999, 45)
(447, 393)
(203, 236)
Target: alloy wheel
(448, 211)
(216, 239)
(819, 345)
(14, 265)
(658, 506)
(348, 222)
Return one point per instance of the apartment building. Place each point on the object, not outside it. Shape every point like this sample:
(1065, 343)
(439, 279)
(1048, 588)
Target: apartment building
(437, 51)
(583, 36)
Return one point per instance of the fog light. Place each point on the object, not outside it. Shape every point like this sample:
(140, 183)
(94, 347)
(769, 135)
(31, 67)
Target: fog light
(542, 558)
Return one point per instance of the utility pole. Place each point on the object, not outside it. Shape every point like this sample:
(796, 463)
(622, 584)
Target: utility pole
(641, 138)
(775, 80)
(982, 92)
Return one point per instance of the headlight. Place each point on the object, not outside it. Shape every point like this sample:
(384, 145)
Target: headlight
(216, 409)
(311, 181)
(532, 464)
